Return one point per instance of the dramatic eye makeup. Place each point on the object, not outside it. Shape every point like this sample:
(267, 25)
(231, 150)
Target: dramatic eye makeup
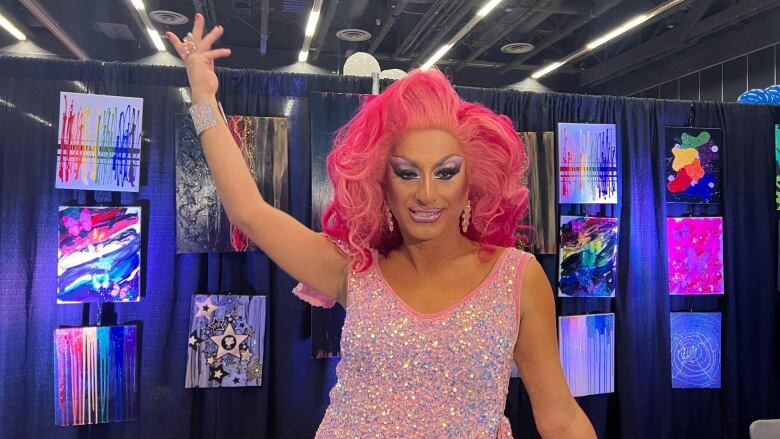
(403, 168)
(449, 168)
(407, 170)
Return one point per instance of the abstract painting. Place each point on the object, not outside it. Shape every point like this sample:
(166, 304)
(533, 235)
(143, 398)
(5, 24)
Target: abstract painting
(777, 165)
(695, 350)
(99, 141)
(201, 222)
(329, 112)
(695, 255)
(587, 163)
(588, 256)
(540, 180)
(226, 341)
(693, 165)
(99, 254)
(95, 374)
(587, 348)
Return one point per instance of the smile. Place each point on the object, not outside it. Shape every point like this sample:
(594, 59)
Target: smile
(425, 215)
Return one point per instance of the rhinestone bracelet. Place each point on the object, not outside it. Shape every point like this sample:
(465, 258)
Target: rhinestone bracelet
(203, 116)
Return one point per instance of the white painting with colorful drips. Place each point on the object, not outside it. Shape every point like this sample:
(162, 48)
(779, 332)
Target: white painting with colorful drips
(587, 349)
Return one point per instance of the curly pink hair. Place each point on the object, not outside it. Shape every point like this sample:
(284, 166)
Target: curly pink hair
(495, 162)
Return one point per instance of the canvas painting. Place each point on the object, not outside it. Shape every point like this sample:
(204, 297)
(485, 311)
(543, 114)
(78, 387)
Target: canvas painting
(588, 256)
(329, 112)
(693, 165)
(95, 375)
(99, 140)
(695, 350)
(226, 341)
(587, 349)
(695, 255)
(588, 170)
(99, 254)
(201, 222)
(541, 187)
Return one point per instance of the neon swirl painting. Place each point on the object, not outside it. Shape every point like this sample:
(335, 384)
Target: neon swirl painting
(695, 350)
(693, 165)
(587, 349)
(226, 341)
(541, 185)
(95, 375)
(201, 222)
(695, 255)
(588, 256)
(99, 141)
(99, 254)
(587, 155)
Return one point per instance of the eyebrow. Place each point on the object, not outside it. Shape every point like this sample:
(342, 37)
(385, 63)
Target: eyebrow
(416, 165)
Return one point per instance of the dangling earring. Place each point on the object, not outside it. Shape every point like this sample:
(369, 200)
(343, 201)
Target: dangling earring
(389, 216)
(466, 220)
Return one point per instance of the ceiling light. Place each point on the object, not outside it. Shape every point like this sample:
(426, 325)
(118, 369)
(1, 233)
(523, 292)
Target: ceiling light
(303, 56)
(545, 70)
(5, 24)
(620, 30)
(436, 56)
(138, 4)
(158, 43)
(311, 26)
(51, 24)
(484, 10)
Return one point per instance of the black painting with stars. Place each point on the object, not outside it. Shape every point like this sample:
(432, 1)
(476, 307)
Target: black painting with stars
(226, 341)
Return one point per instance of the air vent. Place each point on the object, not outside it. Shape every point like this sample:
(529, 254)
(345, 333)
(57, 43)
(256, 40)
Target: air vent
(353, 35)
(517, 48)
(169, 18)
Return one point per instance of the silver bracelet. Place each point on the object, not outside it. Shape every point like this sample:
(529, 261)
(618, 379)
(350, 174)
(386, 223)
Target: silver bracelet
(203, 116)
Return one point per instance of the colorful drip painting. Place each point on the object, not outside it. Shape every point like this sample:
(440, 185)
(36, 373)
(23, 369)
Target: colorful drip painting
(587, 348)
(587, 163)
(95, 375)
(693, 165)
(541, 186)
(588, 256)
(777, 165)
(226, 341)
(99, 141)
(695, 255)
(695, 350)
(329, 112)
(201, 222)
(99, 254)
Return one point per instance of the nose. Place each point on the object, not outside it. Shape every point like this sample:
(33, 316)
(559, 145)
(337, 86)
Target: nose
(426, 191)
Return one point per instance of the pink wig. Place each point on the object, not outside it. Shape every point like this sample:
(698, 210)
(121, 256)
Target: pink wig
(495, 162)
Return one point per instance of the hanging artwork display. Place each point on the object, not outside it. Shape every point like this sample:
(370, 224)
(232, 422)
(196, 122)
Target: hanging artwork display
(329, 112)
(226, 341)
(587, 156)
(99, 140)
(588, 256)
(540, 181)
(95, 375)
(777, 165)
(693, 164)
(695, 350)
(695, 255)
(99, 254)
(587, 349)
(201, 222)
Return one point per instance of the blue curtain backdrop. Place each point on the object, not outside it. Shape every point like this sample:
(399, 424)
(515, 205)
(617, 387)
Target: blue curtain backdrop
(293, 398)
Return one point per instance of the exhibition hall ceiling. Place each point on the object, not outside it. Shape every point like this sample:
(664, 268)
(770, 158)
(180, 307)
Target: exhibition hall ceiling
(516, 39)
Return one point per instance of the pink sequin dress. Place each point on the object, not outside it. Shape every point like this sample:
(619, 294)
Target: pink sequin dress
(407, 374)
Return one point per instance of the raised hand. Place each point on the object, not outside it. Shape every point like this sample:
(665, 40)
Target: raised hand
(198, 56)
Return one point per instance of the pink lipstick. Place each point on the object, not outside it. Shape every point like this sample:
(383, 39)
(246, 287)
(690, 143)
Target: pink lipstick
(423, 215)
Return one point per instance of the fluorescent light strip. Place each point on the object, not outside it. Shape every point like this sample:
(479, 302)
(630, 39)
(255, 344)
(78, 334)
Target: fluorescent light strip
(436, 56)
(158, 43)
(611, 35)
(311, 28)
(138, 5)
(7, 25)
(487, 8)
(36, 9)
(303, 56)
(151, 31)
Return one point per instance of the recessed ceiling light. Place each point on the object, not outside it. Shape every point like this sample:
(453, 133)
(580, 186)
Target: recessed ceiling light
(517, 48)
(169, 18)
(353, 35)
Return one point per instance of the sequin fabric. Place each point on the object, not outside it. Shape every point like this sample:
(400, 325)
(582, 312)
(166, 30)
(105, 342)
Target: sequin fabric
(443, 375)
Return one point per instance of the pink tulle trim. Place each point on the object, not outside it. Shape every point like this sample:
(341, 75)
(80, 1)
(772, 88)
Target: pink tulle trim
(313, 297)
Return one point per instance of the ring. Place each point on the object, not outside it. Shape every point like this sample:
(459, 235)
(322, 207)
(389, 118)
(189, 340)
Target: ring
(189, 44)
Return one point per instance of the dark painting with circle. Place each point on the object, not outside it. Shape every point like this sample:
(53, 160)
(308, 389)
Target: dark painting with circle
(695, 350)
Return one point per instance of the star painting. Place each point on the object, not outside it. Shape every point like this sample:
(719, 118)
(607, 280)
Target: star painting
(226, 341)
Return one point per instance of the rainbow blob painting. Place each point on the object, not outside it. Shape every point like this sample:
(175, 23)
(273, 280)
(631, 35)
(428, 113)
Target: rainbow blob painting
(99, 141)
(226, 341)
(202, 224)
(587, 156)
(693, 165)
(695, 255)
(587, 349)
(99, 254)
(588, 256)
(695, 350)
(95, 375)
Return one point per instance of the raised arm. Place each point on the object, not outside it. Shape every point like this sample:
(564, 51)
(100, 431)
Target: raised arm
(307, 256)
(556, 413)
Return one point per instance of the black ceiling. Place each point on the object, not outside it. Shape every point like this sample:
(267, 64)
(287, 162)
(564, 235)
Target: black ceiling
(269, 33)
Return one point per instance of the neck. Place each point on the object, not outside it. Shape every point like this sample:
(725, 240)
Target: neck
(432, 254)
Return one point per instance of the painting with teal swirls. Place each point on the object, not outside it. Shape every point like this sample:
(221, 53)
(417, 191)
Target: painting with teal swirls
(588, 256)
(695, 350)
(99, 254)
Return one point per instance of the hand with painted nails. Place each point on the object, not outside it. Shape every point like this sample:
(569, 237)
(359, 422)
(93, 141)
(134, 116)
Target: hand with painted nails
(195, 49)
